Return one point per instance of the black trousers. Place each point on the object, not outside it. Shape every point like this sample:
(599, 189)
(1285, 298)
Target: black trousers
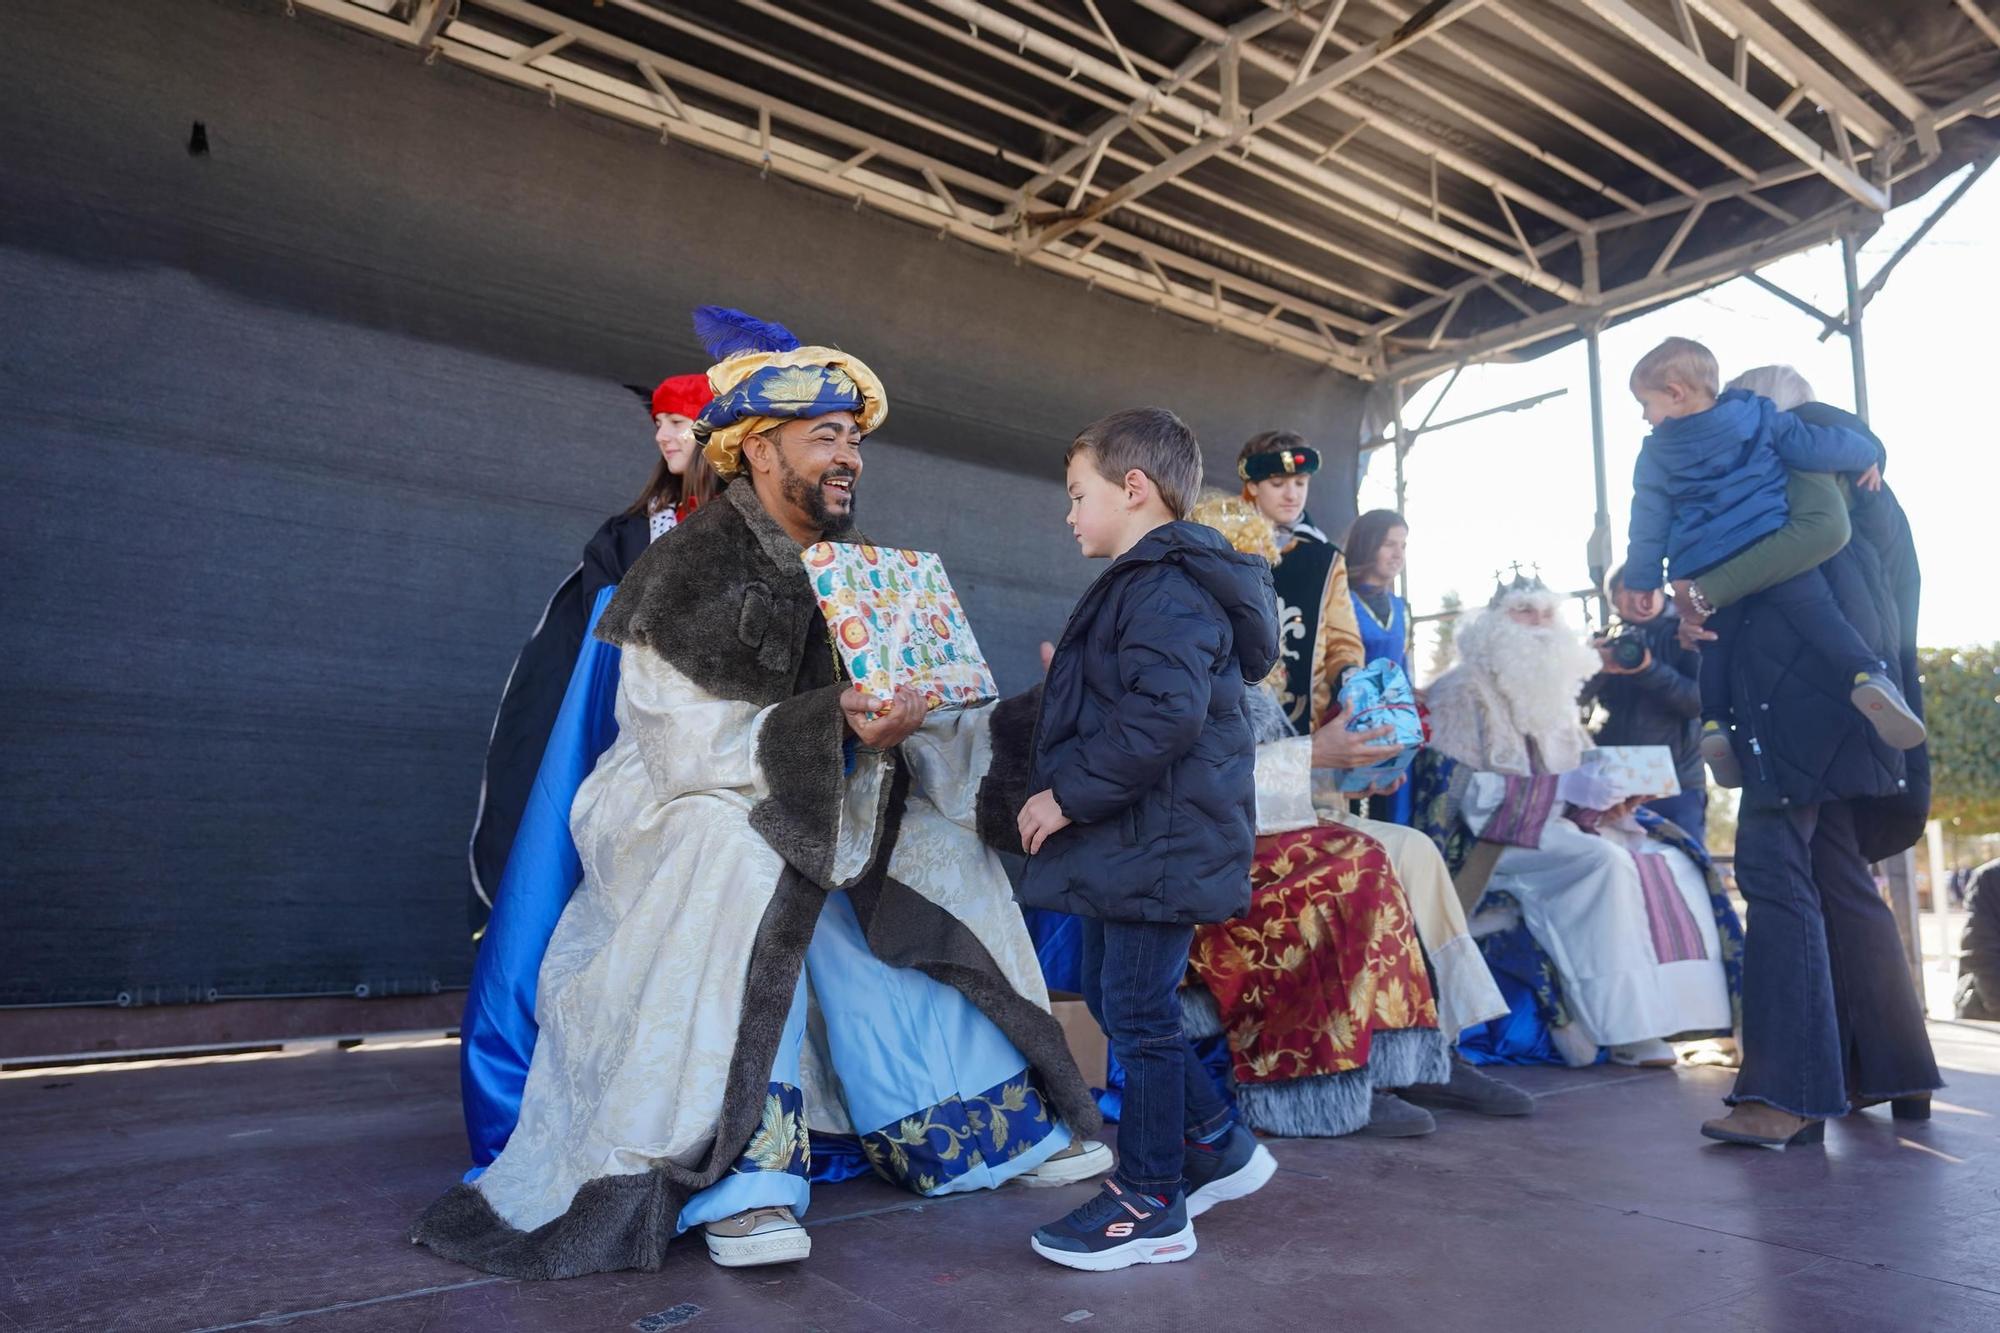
(1829, 1011)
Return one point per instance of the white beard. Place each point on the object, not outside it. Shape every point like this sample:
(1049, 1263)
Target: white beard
(1514, 684)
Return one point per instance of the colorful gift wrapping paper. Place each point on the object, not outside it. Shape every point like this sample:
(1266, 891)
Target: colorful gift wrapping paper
(896, 621)
(1635, 770)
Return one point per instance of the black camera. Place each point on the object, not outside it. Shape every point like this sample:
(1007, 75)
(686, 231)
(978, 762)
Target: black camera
(1627, 650)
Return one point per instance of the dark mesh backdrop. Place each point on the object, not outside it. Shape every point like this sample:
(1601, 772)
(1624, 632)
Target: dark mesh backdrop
(297, 437)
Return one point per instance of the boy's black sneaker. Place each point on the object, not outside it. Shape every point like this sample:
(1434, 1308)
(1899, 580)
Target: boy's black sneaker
(1116, 1229)
(1231, 1167)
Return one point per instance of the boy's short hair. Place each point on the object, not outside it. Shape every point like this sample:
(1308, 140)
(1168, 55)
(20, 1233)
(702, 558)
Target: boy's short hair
(1151, 439)
(1681, 361)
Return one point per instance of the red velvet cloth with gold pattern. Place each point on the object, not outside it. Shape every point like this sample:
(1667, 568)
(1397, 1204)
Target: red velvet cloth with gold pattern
(1326, 957)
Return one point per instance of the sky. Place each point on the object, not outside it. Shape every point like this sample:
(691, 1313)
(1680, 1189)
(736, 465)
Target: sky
(1518, 486)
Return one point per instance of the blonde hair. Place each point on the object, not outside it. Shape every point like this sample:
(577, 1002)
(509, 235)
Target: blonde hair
(1681, 361)
(1241, 522)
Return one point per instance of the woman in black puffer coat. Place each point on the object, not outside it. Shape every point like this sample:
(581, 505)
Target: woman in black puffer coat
(1831, 1019)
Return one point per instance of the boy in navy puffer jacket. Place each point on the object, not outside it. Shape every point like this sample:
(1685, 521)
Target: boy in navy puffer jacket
(1710, 483)
(1144, 817)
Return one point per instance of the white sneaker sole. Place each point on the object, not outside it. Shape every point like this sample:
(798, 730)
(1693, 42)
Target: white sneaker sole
(1093, 1161)
(1721, 761)
(1247, 1179)
(1893, 721)
(1158, 1250)
(781, 1247)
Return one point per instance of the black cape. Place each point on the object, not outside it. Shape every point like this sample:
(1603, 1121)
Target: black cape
(532, 697)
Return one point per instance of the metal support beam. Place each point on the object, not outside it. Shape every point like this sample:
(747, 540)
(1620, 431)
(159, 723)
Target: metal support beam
(1598, 552)
(1916, 237)
(1832, 324)
(1779, 53)
(1402, 490)
(1980, 20)
(429, 20)
(1518, 405)
(1694, 276)
(1835, 40)
(1637, 100)
(961, 210)
(1206, 123)
(1218, 135)
(1333, 13)
(1940, 881)
(1901, 872)
(1471, 59)
(1621, 15)
(1389, 127)
(1850, 248)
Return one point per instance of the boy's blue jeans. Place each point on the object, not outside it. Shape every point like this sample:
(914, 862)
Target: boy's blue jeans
(1132, 972)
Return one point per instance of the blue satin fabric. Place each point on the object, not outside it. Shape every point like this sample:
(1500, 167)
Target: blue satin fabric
(497, 1035)
(1391, 642)
(944, 1102)
(785, 392)
(1521, 1035)
(1058, 939)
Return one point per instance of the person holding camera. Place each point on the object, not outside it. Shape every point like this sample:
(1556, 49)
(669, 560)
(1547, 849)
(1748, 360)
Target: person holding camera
(1650, 689)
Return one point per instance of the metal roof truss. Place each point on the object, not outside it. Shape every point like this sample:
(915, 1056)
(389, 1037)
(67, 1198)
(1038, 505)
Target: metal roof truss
(1357, 250)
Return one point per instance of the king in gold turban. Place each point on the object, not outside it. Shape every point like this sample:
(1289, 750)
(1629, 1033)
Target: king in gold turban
(762, 376)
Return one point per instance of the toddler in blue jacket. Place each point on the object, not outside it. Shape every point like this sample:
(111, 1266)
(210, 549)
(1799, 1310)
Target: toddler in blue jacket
(1143, 821)
(1709, 484)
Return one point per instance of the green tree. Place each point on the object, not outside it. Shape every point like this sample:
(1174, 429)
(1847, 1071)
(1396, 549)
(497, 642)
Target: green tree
(1445, 650)
(1962, 710)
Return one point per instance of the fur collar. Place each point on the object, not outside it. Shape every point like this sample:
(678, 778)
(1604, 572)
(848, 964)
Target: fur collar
(723, 598)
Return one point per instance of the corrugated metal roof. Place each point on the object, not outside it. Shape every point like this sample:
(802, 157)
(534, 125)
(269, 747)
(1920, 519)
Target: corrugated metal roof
(1383, 186)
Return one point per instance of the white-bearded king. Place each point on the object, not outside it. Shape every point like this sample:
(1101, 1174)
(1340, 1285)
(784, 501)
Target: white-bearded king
(1634, 929)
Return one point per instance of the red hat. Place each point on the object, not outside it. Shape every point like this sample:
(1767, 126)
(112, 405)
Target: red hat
(682, 395)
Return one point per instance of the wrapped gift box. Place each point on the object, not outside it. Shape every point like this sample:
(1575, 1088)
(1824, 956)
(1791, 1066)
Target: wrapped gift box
(1379, 694)
(1635, 770)
(896, 621)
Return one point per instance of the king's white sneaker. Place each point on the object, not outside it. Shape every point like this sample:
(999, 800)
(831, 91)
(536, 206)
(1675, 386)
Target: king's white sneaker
(757, 1236)
(1083, 1159)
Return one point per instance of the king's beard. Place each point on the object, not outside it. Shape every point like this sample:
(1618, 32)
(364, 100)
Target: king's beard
(1537, 671)
(810, 499)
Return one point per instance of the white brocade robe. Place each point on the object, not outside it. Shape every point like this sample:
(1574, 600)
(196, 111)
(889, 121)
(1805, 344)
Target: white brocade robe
(642, 990)
(1581, 898)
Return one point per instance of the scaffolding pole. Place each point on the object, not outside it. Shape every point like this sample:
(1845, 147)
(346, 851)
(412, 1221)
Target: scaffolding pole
(1402, 447)
(1900, 870)
(1850, 250)
(1599, 551)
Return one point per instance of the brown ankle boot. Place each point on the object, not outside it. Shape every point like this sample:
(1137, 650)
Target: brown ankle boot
(1765, 1126)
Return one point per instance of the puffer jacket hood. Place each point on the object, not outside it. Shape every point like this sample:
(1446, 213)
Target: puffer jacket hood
(1239, 583)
